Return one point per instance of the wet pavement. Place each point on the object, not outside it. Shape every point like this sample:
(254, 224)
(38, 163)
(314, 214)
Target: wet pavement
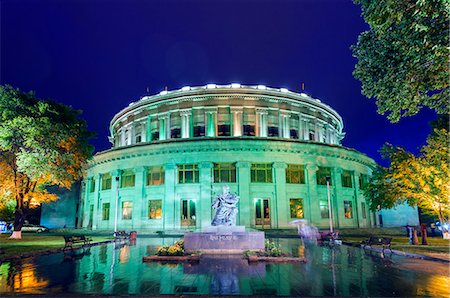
(117, 269)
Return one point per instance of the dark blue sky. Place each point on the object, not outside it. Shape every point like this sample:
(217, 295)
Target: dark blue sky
(99, 55)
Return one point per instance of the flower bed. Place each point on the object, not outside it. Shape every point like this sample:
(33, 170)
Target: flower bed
(172, 253)
(271, 253)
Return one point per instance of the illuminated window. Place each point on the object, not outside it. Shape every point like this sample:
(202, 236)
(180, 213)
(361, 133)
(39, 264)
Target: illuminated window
(346, 179)
(296, 207)
(106, 181)
(321, 175)
(261, 172)
(324, 213)
(188, 173)
(295, 174)
(272, 124)
(105, 211)
(348, 209)
(293, 132)
(362, 180)
(155, 209)
(198, 121)
(363, 210)
(127, 179)
(224, 172)
(175, 126)
(127, 208)
(155, 175)
(154, 128)
(312, 135)
(248, 123)
(91, 185)
(223, 122)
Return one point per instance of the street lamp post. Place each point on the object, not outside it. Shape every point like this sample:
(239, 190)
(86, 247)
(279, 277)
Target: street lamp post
(117, 205)
(330, 215)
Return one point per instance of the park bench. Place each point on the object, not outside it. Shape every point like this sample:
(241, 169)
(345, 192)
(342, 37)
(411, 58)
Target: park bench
(382, 241)
(121, 235)
(71, 240)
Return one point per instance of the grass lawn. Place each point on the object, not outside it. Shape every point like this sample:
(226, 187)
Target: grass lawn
(35, 243)
(437, 247)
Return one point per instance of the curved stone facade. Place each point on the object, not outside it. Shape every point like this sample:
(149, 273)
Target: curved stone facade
(173, 152)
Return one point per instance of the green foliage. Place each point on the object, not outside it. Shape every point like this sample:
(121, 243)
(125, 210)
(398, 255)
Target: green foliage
(271, 249)
(403, 57)
(422, 180)
(177, 249)
(42, 143)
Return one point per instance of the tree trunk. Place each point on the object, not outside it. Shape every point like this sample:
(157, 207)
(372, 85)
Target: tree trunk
(19, 219)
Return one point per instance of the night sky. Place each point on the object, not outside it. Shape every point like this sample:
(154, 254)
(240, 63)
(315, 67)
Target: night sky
(99, 55)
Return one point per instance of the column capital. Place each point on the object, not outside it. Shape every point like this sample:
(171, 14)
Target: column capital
(163, 115)
(186, 112)
(279, 165)
(211, 110)
(243, 164)
(311, 167)
(236, 109)
(140, 169)
(284, 113)
(115, 173)
(338, 170)
(205, 165)
(170, 166)
(262, 111)
(96, 176)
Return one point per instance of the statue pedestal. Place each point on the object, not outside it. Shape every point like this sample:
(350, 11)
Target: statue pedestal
(223, 240)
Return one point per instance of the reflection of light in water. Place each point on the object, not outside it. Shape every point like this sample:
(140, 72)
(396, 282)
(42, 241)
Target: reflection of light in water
(4, 270)
(434, 286)
(26, 281)
(124, 255)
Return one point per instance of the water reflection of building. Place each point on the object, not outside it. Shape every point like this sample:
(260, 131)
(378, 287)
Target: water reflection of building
(173, 151)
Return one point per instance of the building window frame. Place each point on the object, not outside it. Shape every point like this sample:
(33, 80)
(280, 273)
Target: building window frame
(296, 208)
(106, 181)
(348, 210)
(188, 173)
(127, 178)
(155, 209)
(346, 178)
(295, 174)
(225, 172)
(261, 173)
(324, 211)
(106, 208)
(127, 210)
(91, 185)
(321, 175)
(155, 175)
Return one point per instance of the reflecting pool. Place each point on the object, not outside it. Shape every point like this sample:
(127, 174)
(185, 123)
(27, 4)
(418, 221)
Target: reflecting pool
(117, 268)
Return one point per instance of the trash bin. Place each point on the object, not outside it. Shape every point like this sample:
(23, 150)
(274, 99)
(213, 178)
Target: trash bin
(133, 235)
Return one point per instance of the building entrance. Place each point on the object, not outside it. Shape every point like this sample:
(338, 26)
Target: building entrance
(188, 215)
(262, 213)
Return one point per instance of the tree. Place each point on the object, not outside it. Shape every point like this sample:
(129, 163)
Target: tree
(403, 57)
(42, 143)
(422, 180)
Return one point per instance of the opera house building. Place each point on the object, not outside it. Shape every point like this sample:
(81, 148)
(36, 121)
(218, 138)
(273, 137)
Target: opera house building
(173, 152)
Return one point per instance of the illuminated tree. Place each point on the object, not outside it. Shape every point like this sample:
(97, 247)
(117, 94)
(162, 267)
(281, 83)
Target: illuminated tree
(422, 180)
(42, 143)
(403, 57)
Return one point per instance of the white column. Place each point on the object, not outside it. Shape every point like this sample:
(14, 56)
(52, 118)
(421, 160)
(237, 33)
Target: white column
(143, 132)
(262, 115)
(185, 123)
(167, 126)
(301, 134)
(237, 114)
(122, 137)
(133, 133)
(211, 122)
(286, 133)
(162, 127)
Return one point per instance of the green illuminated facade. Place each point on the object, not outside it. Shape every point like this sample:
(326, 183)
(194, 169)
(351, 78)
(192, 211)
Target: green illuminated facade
(173, 152)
